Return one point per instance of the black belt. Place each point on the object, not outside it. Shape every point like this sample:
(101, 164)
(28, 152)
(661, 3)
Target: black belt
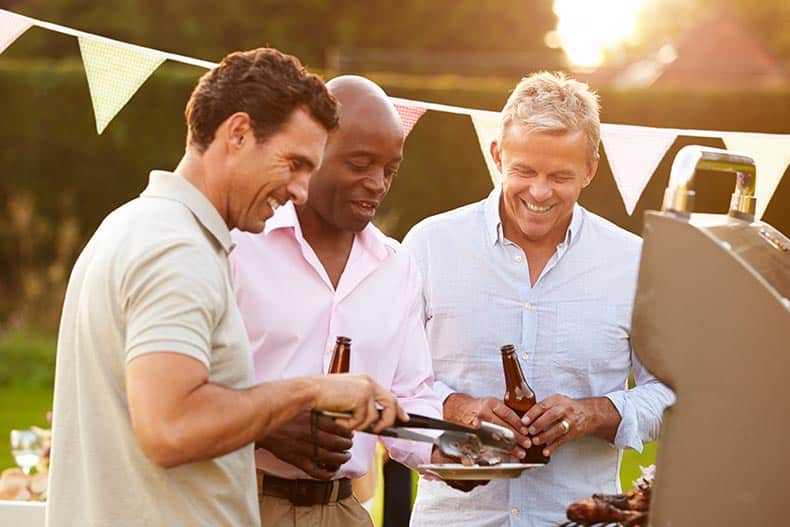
(306, 492)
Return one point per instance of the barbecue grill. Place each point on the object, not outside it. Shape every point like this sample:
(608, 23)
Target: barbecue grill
(712, 320)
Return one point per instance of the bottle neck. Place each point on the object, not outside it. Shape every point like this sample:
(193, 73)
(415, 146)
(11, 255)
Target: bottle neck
(514, 376)
(340, 358)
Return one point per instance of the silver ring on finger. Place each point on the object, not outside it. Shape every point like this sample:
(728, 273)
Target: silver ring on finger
(566, 426)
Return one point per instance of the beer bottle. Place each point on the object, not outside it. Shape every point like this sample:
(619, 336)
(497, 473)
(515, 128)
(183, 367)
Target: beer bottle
(519, 397)
(341, 355)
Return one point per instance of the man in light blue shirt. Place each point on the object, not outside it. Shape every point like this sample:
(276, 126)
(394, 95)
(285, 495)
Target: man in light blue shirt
(529, 266)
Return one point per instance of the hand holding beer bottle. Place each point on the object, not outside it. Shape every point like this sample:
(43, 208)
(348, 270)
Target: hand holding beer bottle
(519, 397)
(293, 443)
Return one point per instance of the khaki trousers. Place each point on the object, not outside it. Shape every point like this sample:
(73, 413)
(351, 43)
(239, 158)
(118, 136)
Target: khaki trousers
(279, 512)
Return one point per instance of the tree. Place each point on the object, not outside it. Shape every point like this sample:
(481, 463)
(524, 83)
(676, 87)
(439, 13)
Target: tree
(209, 30)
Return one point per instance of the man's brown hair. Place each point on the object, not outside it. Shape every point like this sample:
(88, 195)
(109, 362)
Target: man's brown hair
(264, 83)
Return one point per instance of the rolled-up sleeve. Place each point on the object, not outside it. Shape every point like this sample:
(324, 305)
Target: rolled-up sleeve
(641, 408)
(442, 390)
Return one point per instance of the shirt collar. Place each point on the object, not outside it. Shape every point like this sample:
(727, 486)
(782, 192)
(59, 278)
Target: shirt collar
(375, 242)
(284, 217)
(494, 221)
(371, 238)
(491, 212)
(167, 185)
(575, 228)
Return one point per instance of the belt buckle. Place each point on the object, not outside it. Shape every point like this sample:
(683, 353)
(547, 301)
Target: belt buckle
(305, 495)
(300, 495)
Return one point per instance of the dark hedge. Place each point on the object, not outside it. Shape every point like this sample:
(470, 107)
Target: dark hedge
(49, 146)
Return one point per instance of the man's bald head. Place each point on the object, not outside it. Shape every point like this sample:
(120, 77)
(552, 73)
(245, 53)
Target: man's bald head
(361, 98)
(361, 157)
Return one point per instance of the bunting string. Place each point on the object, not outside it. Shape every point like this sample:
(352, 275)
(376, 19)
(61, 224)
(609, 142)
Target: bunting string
(117, 43)
(115, 70)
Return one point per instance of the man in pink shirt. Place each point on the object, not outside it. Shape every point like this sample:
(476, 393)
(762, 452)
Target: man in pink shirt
(320, 270)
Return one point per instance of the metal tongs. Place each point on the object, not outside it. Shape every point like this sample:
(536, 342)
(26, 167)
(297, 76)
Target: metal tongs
(490, 442)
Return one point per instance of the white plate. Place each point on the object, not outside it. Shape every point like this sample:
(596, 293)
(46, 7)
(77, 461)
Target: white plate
(460, 471)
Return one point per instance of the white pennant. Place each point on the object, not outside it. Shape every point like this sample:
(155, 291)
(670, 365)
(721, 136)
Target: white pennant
(634, 152)
(771, 154)
(114, 74)
(487, 129)
(11, 28)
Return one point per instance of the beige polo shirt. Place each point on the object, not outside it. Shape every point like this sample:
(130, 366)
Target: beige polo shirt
(153, 278)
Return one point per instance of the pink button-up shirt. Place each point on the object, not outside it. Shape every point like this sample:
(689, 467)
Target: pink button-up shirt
(293, 315)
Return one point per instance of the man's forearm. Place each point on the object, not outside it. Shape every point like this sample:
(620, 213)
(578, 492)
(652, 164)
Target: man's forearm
(214, 420)
(607, 418)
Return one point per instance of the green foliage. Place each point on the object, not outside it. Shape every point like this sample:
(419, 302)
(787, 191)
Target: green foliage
(27, 361)
(49, 151)
(306, 28)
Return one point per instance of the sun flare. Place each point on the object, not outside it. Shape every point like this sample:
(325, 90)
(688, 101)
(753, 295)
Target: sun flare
(587, 29)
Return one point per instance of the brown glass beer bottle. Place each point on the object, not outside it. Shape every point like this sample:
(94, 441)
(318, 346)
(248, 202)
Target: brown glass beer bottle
(519, 397)
(341, 355)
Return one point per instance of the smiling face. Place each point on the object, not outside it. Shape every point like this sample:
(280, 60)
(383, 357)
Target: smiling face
(265, 175)
(361, 159)
(543, 174)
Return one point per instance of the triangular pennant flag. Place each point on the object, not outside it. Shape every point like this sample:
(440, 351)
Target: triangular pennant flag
(487, 129)
(771, 154)
(11, 28)
(409, 115)
(634, 153)
(114, 74)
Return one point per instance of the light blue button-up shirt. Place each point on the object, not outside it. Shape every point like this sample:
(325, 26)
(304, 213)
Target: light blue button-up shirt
(571, 330)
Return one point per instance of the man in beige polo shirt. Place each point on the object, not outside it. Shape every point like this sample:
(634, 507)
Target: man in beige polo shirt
(156, 410)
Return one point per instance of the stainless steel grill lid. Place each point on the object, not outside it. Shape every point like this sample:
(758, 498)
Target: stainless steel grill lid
(712, 320)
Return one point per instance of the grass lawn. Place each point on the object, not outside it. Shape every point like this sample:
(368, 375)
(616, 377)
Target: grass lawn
(632, 460)
(22, 407)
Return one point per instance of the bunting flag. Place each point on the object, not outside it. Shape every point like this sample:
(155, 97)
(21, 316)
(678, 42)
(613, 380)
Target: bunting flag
(771, 154)
(114, 74)
(634, 152)
(116, 70)
(11, 28)
(487, 129)
(409, 115)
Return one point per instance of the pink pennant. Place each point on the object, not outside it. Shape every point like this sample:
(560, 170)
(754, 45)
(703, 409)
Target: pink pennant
(409, 115)
(11, 27)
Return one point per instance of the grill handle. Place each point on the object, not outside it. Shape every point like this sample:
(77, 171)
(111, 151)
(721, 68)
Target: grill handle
(679, 195)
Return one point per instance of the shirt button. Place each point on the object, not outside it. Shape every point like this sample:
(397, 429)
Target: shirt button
(514, 511)
(527, 306)
(517, 258)
(524, 355)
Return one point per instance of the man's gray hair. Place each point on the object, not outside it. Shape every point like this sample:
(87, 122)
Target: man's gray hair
(548, 101)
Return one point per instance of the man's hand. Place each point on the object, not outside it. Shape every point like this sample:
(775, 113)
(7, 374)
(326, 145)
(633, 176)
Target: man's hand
(293, 444)
(558, 419)
(465, 485)
(358, 394)
(467, 410)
